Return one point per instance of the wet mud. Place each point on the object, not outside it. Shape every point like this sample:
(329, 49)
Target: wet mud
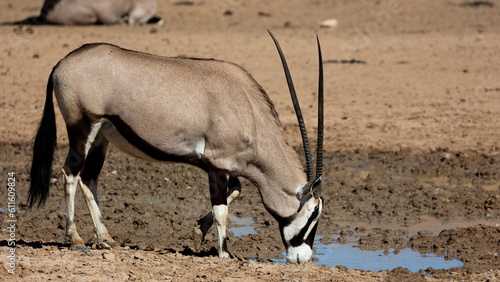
(379, 200)
(411, 138)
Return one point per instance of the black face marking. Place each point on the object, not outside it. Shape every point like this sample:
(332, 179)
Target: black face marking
(285, 221)
(298, 239)
(310, 239)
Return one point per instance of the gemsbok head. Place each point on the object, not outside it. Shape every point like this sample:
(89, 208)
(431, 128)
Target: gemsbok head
(208, 113)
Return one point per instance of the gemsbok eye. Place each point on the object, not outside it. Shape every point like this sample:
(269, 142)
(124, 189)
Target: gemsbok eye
(316, 208)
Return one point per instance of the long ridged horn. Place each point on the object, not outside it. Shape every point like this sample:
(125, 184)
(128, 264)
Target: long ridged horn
(298, 112)
(319, 140)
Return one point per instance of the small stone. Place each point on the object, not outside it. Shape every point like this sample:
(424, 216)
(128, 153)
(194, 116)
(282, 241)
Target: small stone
(108, 256)
(329, 23)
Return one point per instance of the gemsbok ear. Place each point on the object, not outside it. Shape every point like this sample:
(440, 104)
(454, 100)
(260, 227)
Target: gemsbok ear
(311, 188)
(316, 187)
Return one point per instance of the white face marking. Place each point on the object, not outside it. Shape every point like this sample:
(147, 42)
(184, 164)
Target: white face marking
(303, 252)
(300, 254)
(300, 222)
(200, 148)
(294, 228)
(314, 221)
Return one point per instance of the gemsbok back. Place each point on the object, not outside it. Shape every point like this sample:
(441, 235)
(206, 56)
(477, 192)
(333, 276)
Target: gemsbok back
(208, 113)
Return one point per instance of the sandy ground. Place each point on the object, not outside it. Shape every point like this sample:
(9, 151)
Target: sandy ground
(412, 108)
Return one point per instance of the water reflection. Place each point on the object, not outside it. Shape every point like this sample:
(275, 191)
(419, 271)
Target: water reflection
(351, 257)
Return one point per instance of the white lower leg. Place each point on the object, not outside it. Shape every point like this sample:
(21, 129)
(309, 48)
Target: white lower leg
(71, 182)
(220, 213)
(235, 194)
(103, 236)
(207, 221)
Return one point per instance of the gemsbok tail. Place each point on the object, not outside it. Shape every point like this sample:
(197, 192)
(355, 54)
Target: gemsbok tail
(43, 152)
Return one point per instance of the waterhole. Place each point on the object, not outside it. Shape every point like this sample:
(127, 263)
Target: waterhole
(350, 256)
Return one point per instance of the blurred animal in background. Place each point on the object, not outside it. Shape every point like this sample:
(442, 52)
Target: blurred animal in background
(85, 12)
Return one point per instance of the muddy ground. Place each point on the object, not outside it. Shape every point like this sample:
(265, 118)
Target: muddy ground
(412, 152)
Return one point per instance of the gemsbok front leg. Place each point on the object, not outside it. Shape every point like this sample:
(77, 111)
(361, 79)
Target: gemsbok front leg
(204, 224)
(219, 181)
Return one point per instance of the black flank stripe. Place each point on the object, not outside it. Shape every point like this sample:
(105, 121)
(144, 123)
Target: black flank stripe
(129, 134)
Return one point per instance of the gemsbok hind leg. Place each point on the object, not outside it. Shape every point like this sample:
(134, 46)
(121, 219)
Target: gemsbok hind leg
(80, 138)
(218, 181)
(88, 184)
(207, 221)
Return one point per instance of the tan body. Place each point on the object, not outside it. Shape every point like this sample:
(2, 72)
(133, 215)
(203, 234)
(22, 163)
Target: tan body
(208, 113)
(207, 105)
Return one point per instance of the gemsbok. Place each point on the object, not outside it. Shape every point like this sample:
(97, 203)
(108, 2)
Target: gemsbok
(84, 12)
(208, 113)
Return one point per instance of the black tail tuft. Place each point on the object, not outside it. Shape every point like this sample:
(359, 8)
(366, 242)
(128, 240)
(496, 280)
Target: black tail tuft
(43, 152)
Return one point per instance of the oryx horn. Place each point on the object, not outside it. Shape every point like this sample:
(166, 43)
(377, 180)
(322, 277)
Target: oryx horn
(298, 112)
(319, 140)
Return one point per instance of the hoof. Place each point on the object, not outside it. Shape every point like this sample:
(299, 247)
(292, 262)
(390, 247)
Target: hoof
(103, 246)
(197, 239)
(108, 245)
(225, 255)
(240, 257)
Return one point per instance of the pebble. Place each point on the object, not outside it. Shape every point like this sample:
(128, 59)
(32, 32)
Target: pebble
(108, 256)
(329, 23)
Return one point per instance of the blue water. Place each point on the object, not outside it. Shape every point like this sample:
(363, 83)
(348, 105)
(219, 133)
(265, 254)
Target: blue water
(241, 226)
(354, 258)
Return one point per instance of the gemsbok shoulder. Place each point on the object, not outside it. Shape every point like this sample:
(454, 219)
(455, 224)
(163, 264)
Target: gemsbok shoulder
(208, 113)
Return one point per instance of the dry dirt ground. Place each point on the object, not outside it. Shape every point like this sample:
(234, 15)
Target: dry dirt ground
(412, 144)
